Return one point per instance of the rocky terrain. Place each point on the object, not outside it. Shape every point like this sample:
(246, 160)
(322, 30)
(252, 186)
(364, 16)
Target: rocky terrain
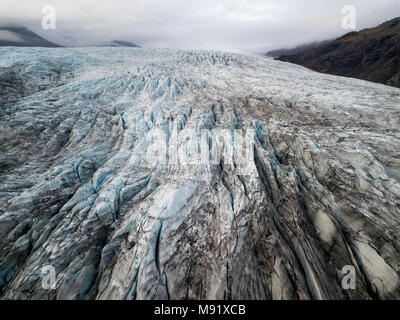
(371, 54)
(162, 174)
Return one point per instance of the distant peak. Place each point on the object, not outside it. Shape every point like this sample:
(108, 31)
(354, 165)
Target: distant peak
(122, 43)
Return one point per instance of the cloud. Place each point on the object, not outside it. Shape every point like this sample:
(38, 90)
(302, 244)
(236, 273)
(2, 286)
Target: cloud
(234, 25)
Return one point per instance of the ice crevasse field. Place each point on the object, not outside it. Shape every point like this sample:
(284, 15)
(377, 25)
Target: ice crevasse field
(316, 188)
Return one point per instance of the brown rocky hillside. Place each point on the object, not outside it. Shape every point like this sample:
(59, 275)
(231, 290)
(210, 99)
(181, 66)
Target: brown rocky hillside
(371, 54)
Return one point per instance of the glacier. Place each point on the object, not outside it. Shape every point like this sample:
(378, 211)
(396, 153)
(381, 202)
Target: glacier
(186, 174)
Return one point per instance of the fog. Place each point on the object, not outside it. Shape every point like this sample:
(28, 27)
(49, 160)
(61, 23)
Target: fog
(253, 26)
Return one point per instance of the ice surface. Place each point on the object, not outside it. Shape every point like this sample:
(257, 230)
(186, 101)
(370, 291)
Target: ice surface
(141, 173)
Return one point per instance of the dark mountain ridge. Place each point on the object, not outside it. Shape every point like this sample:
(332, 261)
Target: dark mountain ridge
(23, 37)
(290, 51)
(371, 54)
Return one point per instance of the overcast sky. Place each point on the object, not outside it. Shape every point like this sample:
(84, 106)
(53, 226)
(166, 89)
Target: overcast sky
(234, 25)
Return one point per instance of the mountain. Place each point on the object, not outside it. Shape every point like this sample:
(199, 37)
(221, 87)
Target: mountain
(371, 54)
(22, 37)
(156, 174)
(120, 43)
(284, 52)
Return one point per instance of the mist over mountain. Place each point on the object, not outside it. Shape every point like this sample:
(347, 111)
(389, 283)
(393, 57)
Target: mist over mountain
(20, 36)
(17, 36)
(255, 26)
(290, 51)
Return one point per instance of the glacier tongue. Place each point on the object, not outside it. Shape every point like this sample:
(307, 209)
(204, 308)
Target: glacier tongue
(164, 174)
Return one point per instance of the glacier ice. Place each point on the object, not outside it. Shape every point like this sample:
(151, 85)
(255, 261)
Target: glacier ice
(178, 174)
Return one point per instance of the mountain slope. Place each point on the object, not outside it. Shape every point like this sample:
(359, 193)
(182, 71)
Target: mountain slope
(286, 52)
(371, 54)
(23, 37)
(156, 174)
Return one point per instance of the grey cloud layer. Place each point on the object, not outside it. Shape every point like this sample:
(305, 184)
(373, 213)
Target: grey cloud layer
(235, 25)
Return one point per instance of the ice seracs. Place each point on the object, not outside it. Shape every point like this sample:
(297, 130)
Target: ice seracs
(168, 174)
